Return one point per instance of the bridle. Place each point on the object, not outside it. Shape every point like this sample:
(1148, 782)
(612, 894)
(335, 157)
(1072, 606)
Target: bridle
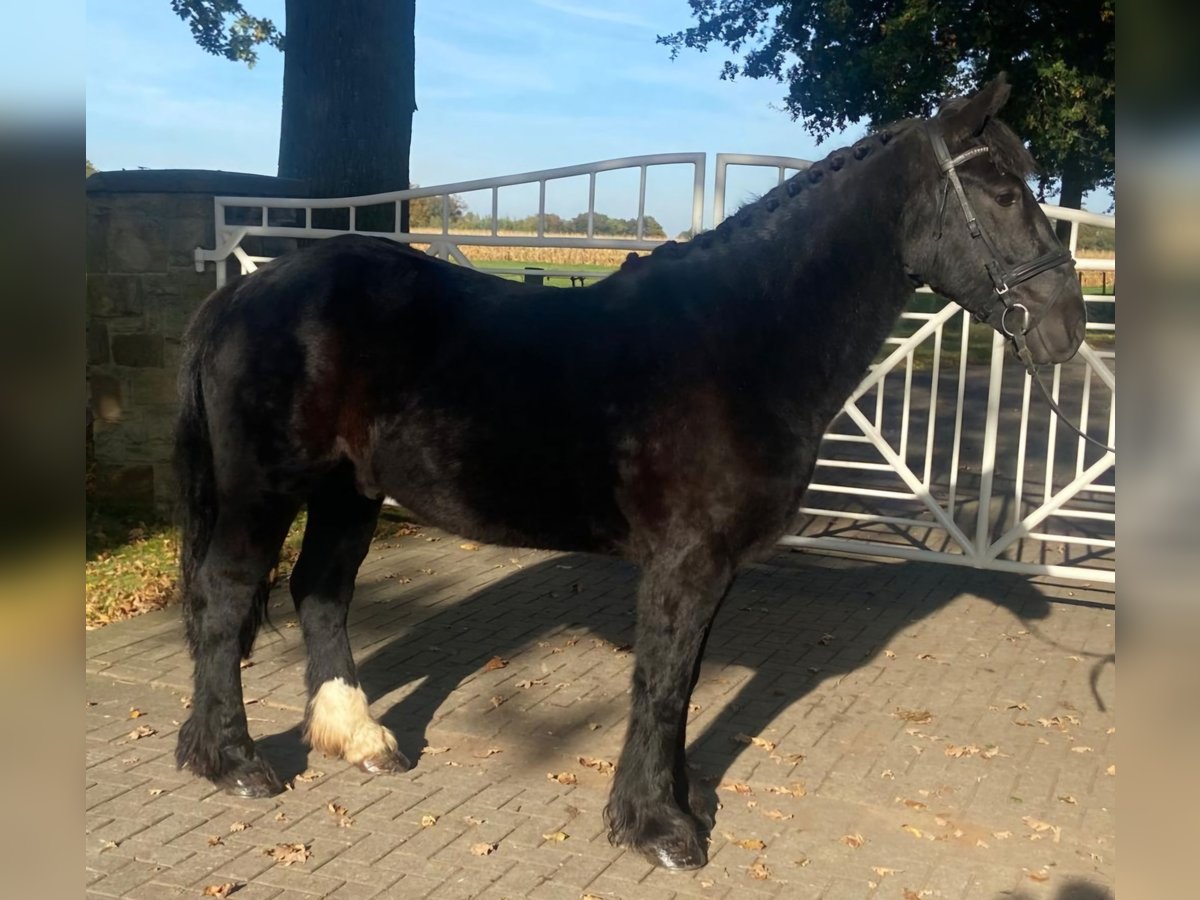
(1002, 278)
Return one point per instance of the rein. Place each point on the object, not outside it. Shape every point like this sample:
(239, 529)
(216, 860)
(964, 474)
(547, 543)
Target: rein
(1002, 279)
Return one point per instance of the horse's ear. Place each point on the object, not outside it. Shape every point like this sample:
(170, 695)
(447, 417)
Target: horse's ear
(964, 118)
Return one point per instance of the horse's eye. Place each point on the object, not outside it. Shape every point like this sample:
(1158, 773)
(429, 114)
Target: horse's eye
(1008, 198)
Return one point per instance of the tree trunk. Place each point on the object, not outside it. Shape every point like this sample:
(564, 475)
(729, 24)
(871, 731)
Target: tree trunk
(1070, 196)
(349, 96)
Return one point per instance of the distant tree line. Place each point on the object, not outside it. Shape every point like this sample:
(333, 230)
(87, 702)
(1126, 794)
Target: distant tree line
(426, 213)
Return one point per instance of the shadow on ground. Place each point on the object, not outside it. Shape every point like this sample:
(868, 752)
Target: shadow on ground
(774, 623)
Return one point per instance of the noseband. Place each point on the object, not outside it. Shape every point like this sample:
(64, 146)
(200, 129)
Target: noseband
(1002, 278)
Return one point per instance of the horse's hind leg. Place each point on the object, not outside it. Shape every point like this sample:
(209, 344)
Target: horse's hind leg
(338, 722)
(227, 604)
(649, 808)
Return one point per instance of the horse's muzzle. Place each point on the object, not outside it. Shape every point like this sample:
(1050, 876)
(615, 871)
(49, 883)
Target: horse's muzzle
(1058, 332)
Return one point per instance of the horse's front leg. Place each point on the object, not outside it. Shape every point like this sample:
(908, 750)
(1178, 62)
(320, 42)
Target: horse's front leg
(337, 536)
(649, 808)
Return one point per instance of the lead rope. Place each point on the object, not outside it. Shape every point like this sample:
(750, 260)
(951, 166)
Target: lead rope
(1025, 356)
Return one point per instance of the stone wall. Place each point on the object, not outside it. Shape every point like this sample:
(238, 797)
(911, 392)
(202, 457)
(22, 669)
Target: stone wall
(142, 288)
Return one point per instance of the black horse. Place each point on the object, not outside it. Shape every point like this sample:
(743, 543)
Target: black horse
(670, 414)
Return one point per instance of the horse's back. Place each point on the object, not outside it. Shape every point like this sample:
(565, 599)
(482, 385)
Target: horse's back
(480, 403)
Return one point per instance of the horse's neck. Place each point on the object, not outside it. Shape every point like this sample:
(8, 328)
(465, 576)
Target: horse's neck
(821, 278)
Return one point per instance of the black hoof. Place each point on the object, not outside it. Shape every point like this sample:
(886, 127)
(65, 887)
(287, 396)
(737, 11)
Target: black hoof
(667, 839)
(256, 780)
(386, 764)
(678, 854)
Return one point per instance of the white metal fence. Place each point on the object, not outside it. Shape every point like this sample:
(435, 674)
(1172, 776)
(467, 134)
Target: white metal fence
(942, 452)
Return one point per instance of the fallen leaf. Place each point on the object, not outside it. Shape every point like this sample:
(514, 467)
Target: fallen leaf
(1059, 722)
(531, 682)
(1067, 798)
(218, 890)
(281, 816)
(887, 773)
(889, 654)
(563, 777)
(433, 751)
(287, 854)
(428, 821)
(791, 758)
(483, 849)
(759, 871)
(825, 639)
(747, 843)
(339, 814)
(778, 815)
(1040, 827)
(913, 830)
(980, 842)
(469, 545)
(756, 741)
(855, 840)
(214, 840)
(496, 662)
(471, 820)
(738, 787)
(910, 894)
(883, 871)
(489, 752)
(1039, 876)
(135, 713)
(1002, 835)
(310, 775)
(154, 792)
(140, 732)
(916, 716)
(1112, 770)
(245, 664)
(593, 726)
(556, 836)
(497, 702)
(603, 766)
(926, 656)
(1081, 750)
(795, 789)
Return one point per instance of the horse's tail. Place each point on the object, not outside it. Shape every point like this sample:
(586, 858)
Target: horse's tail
(195, 477)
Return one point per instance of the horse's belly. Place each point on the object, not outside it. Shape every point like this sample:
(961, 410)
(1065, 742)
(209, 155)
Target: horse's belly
(504, 496)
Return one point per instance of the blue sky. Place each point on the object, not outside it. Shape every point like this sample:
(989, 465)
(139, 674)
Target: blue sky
(502, 87)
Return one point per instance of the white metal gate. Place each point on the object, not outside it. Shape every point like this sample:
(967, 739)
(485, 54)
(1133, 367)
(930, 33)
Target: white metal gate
(941, 453)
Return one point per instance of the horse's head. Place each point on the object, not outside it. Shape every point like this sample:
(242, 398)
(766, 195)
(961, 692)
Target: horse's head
(976, 234)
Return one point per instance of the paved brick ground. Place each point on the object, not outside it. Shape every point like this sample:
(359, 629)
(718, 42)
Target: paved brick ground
(920, 732)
